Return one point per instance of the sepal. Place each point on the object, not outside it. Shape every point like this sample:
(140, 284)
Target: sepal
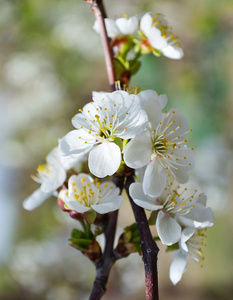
(172, 247)
(90, 216)
(153, 217)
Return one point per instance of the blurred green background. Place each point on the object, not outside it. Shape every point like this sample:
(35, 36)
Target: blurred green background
(50, 62)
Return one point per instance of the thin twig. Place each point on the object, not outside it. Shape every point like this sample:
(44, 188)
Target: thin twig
(149, 247)
(99, 12)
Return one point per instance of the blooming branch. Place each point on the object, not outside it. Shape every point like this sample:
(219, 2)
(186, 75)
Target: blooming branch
(119, 134)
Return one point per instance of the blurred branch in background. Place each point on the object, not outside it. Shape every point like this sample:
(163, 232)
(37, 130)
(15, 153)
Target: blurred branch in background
(44, 48)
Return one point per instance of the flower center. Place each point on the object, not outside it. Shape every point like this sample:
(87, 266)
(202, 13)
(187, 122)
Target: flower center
(43, 173)
(86, 195)
(106, 130)
(159, 144)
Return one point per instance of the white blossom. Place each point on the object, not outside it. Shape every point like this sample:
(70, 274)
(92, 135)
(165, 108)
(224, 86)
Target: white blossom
(172, 206)
(51, 176)
(121, 26)
(159, 35)
(191, 243)
(85, 193)
(162, 146)
(99, 126)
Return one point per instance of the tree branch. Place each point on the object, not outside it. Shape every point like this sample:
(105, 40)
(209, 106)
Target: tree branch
(104, 265)
(149, 247)
(97, 8)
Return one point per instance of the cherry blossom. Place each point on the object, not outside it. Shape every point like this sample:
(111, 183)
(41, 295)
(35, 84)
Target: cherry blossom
(100, 127)
(51, 176)
(155, 31)
(85, 193)
(174, 204)
(121, 26)
(161, 147)
(191, 243)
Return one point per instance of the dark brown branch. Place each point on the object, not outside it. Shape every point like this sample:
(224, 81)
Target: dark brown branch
(149, 247)
(104, 265)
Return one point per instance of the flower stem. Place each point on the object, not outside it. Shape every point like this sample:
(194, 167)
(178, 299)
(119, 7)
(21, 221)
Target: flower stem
(149, 248)
(99, 12)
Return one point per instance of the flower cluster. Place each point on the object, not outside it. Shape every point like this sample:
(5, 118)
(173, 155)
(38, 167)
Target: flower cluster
(180, 216)
(119, 130)
(142, 34)
(128, 131)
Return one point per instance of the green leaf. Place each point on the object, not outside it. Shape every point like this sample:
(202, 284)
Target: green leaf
(119, 69)
(77, 234)
(135, 67)
(80, 244)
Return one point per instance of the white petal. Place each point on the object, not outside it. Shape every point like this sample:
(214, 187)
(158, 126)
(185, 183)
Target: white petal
(186, 234)
(62, 194)
(155, 178)
(36, 199)
(77, 206)
(71, 144)
(104, 159)
(146, 23)
(169, 231)
(108, 189)
(127, 26)
(111, 28)
(75, 181)
(199, 217)
(173, 52)
(98, 96)
(113, 204)
(180, 125)
(135, 126)
(96, 27)
(152, 106)
(180, 176)
(69, 162)
(137, 152)
(147, 202)
(54, 155)
(179, 168)
(202, 200)
(156, 40)
(178, 266)
(163, 100)
(52, 184)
